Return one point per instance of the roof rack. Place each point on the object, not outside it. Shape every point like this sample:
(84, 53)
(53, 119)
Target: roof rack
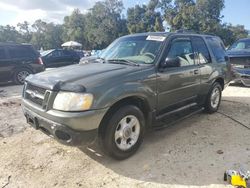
(186, 31)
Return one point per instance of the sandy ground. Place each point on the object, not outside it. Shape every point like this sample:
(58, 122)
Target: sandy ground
(194, 152)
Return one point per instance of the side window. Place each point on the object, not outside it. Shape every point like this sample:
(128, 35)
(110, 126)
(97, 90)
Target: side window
(67, 53)
(201, 49)
(20, 52)
(181, 49)
(218, 48)
(2, 53)
(57, 53)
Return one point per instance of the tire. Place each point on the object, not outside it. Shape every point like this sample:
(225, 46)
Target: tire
(121, 139)
(20, 75)
(213, 98)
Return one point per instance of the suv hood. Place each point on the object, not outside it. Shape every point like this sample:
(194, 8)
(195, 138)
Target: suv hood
(79, 75)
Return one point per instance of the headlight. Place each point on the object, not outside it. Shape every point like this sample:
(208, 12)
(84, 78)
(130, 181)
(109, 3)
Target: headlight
(69, 101)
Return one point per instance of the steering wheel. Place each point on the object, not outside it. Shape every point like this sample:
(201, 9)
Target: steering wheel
(148, 54)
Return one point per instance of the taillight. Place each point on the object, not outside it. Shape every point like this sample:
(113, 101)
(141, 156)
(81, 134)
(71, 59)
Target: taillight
(40, 61)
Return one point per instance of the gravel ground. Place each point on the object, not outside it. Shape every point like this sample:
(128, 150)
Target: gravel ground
(194, 152)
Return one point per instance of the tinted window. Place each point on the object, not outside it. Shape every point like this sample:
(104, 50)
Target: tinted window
(217, 48)
(2, 53)
(68, 53)
(182, 49)
(21, 52)
(241, 45)
(56, 53)
(201, 49)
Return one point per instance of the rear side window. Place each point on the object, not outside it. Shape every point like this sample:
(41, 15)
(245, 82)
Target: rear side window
(218, 48)
(2, 53)
(21, 52)
(67, 53)
(201, 49)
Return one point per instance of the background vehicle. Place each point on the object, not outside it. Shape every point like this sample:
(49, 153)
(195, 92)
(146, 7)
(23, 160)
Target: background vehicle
(59, 57)
(239, 54)
(140, 81)
(17, 61)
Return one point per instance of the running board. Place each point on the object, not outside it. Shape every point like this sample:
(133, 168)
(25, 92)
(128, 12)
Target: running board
(168, 122)
(176, 111)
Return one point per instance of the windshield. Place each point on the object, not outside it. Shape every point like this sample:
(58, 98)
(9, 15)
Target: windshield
(44, 53)
(137, 49)
(241, 45)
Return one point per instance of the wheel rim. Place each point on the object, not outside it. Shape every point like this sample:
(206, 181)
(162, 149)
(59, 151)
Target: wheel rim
(22, 75)
(127, 132)
(215, 97)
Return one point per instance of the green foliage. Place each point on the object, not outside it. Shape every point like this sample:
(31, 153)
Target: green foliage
(201, 16)
(104, 22)
(145, 18)
(9, 34)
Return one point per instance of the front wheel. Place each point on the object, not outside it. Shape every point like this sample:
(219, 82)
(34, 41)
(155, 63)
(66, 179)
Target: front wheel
(213, 98)
(124, 132)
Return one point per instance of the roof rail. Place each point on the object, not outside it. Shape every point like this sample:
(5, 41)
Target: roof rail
(186, 31)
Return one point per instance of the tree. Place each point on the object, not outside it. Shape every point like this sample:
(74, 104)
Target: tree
(104, 23)
(145, 18)
(46, 35)
(200, 15)
(74, 28)
(230, 33)
(24, 30)
(9, 34)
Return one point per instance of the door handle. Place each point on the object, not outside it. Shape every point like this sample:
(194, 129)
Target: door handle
(196, 71)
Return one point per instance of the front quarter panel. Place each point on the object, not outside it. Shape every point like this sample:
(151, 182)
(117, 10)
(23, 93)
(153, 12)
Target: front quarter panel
(140, 84)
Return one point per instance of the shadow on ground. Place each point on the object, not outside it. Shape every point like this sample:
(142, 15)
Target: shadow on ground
(195, 151)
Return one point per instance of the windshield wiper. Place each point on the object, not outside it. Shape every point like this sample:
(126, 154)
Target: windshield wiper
(123, 61)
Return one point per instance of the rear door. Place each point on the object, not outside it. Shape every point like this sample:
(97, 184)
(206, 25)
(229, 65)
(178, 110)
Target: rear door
(68, 57)
(178, 86)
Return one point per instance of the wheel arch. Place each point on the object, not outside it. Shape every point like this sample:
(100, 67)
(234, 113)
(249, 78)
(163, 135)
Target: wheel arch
(221, 81)
(137, 101)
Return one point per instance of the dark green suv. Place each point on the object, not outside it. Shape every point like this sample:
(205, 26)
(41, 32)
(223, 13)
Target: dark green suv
(137, 81)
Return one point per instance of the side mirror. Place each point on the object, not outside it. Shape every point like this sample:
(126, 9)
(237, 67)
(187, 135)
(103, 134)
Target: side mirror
(171, 62)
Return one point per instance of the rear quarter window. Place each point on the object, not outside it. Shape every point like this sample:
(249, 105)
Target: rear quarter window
(217, 48)
(22, 52)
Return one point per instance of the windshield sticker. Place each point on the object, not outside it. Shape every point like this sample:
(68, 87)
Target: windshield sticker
(156, 38)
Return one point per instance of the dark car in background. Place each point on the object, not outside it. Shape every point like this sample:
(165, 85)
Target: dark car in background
(17, 61)
(239, 54)
(59, 58)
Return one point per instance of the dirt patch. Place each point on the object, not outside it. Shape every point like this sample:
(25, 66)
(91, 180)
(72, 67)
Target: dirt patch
(12, 120)
(194, 152)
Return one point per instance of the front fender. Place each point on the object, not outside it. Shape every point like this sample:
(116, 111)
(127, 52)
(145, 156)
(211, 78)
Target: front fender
(115, 94)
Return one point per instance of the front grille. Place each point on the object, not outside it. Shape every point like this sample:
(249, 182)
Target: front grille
(35, 88)
(36, 95)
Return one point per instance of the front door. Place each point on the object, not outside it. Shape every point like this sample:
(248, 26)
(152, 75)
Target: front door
(5, 65)
(178, 86)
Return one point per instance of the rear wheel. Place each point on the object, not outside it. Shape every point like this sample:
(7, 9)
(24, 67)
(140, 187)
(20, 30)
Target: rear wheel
(213, 98)
(124, 132)
(20, 75)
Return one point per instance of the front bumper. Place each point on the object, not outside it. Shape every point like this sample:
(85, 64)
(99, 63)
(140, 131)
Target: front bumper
(66, 127)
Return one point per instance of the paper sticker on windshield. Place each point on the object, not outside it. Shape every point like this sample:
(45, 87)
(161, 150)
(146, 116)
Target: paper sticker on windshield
(156, 38)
